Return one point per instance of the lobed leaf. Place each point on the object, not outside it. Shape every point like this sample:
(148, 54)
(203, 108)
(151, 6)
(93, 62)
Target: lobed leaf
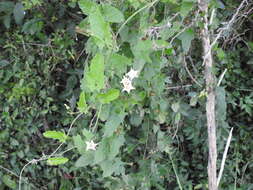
(112, 14)
(55, 135)
(82, 106)
(57, 161)
(109, 96)
(94, 78)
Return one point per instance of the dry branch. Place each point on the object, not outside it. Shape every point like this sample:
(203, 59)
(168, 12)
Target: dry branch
(224, 156)
(210, 103)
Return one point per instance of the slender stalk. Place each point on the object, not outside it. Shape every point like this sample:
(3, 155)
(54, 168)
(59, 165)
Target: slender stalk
(96, 123)
(175, 171)
(134, 14)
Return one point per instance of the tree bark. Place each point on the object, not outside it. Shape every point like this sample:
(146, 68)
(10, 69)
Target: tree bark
(210, 103)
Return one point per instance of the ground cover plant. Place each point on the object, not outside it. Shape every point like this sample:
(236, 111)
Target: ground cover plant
(119, 94)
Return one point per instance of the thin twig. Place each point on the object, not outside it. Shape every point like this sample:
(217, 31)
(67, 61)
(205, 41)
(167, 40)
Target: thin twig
(192, 64)
(96, 123)
(178, 87)
(134, 14)
(175, 133)
(175, 171)
(146, 143)
(226, 27)
(9, 171)
(61, 153)
(224, 156)
(185, 28)
(186, 68)
(221, 77)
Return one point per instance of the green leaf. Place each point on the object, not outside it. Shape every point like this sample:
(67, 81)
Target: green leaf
(109, 96)
(112, 14)
(102, 151)
(7, 21)
(194, 99)
(105, 112)
(170, 32)
(82, 106)
(85, 160)
(142, 50)
(118, 64)
(100, 28)
(115, 143)
(6, 6)
(113, 123)
(83, 27)
(65, 185)
(4, 63)
(177, 117)
(186, 37)
(79, 143)
(250, 44)
(221, 104)
(55, 135)
(199, 186)
(186, 7)
(19, 13)
(57, 161)
(221, 54)
(87, 134)
(94, 77)
(86, 6)
(32, 26)
(161, 43)
(9, 182)
(112, 166)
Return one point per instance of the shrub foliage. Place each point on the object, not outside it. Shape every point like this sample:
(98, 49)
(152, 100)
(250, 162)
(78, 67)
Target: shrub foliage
(116, 91)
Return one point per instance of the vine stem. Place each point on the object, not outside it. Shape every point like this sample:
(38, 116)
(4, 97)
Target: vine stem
(96, 123)
(134, 14)
(175, 171)
(45, 157)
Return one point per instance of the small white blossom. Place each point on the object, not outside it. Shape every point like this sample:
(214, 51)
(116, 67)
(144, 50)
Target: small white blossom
(132, 74)
(128, 87)
(126, 81)
(169, 24)
(91, 145)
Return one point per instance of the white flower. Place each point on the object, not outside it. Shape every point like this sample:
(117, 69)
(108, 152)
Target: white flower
(91, 145)
(169, 24)
(127, 80)
(127, 83)
(128, 88)
(132, 74)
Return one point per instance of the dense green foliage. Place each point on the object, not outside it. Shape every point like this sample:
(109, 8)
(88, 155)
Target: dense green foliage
(61, 70)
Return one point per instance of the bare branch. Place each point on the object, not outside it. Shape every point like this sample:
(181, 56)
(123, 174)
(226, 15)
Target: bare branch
(186, 68)
(224, 157)
(210, 102)
(227, 25)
